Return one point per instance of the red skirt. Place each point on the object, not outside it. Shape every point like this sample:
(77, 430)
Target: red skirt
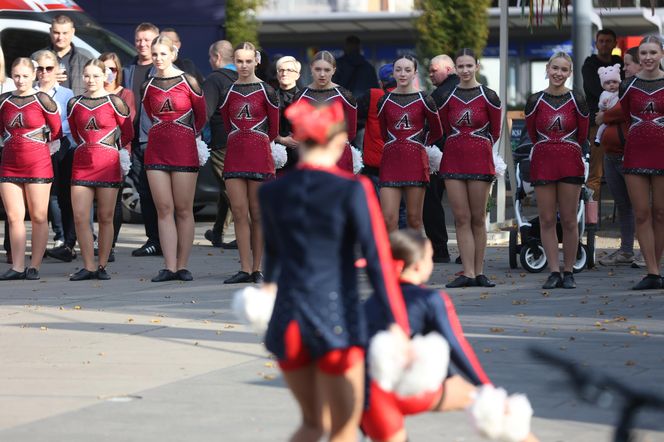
(553, 161)
(248, 156)
(644, 150)
(171, 147)
(404, 164)
(467, 157)
(26, 161)
(346, 160)
(96, 166)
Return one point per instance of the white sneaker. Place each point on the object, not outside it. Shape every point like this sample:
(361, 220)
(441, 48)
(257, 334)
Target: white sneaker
(58, 243)
(639, 262)
(616, 258)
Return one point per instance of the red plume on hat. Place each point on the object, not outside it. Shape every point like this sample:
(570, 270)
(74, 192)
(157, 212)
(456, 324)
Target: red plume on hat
(312, 122)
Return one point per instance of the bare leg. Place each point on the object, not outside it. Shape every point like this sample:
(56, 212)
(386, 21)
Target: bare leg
(81, 201)
(415, 206)
(658, 216)
(12, 198)
(106, 199)
(568, 203)
(255, 226)
(546, 209)
(638, 187)
(161, 188)
(457, 192)
(184, 188)
(345, 396)
(302, 385)
(37, 196)
(478, 195)
(390, 200)
(236, 189)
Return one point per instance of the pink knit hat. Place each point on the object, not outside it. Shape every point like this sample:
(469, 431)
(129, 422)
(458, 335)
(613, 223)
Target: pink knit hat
(609, 73)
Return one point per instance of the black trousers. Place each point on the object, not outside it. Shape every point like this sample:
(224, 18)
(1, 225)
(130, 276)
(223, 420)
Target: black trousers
(140, 178)
(217, 157)
(434, 216)
(63, 161)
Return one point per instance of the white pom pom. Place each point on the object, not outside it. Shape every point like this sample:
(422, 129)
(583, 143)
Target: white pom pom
(499, 164)
(279, 155)
(387, 359)
(487, 412)
(54, 147)
(125, 161)
(203, 151)
(435, 157)
(516, 424)
(254, 307)
(429, 367)
(358, 164)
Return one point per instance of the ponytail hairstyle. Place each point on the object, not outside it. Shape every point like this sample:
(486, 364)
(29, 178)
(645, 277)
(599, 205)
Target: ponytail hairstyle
(248, 46)
(95, 62)
(25, 61)
(408, 57)
(563, 55)
(166, 41)
(408, 246)
(652, 39)
(634, 53)
(465, 51)
(325, 56)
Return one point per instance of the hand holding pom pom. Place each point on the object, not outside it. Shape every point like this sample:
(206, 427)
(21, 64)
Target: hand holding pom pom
(203, 151)
(279, 155)
(358, 164)
(499, 417)
(435, 157)
(125, 161)
(499, 164)
(254, 307)
(54, 147)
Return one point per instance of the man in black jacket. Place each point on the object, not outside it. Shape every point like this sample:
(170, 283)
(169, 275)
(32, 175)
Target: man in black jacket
(605, 42)
(214, 87)
(71, 60)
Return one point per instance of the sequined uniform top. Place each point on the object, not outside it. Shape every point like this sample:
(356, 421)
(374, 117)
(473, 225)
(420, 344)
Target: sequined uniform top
(642, 103)
(555, 124)
(27, 124)
(177, 109)
(408, 122)
(100, 126)
(471, 120)
(251, 111)
(349, 104)
(314, 219)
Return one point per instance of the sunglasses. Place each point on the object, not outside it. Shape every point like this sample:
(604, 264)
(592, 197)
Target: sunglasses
(284, 71)
(114, 70)
(48, 69)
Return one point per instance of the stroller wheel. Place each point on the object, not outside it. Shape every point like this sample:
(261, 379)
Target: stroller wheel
(581, 259)
(513, 248)
(533, 258)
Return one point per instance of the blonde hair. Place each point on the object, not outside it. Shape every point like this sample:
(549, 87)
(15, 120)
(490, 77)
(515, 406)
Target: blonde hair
(166, 41)
(24, 61)
(248, 46)
(45, 53)
(289, 59)
(563, 55)
(325, 56)
(96, 62)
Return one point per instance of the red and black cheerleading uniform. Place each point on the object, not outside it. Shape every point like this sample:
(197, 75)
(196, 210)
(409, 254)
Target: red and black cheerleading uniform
(337, 93)
(642, 102)
(408, 122)
(472, 121)
(313, 219)
(177, 109)
(557, 126)
(429, 310)
(101, 127)
(28, 124)
(250, 113)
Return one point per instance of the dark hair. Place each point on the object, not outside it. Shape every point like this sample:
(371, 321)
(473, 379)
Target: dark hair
(408, 57)
(465, 51)
(408, 246)
(62, 20)
(634, 53)
(606, 31)
(118, 64)
(95, 62)
(248, 46)
(325, 56)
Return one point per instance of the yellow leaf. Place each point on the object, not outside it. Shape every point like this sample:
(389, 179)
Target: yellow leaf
(155, 321)
(43, 327)
(77, 307)
(497, 329)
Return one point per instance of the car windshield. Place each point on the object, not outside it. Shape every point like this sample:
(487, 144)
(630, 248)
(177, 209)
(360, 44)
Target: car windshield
(106, 41)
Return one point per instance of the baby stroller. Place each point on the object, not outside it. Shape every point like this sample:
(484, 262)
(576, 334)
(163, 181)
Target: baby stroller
(530, 251)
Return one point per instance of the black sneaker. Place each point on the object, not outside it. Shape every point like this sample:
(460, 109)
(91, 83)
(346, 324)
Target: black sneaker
(461, 281)
(111, 256)
(102, 274)
(568, 280)
(83, 275)
(457, 260)
(165, 275)
(62, 253)
(31, 274)
(483, 281)
(214, 239)
(184, 275)
(147, 249)
(12, 274)
(239, 278)
(258, 277)
(229, 245)
(441, 255)
(553, 281)
(650, 282)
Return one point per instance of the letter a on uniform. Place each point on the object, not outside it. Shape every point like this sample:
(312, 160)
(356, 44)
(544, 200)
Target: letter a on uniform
(557, 124)
(92, 124)
(167, 106)
(244, 113)
(464, 120)
(650, 108)
(17, 121)
(403, 123)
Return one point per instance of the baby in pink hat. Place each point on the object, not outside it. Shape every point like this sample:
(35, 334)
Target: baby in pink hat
(610, 79)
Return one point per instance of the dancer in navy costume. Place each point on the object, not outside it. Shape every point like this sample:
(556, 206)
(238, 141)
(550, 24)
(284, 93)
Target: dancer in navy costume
(318, 329)
(408, 122)
(471, 119)
(250, 111)
(174, 102)
(323, 90)
(557, 120)
(29, 120)
(429, 310)
(101, 125)
(642, 101)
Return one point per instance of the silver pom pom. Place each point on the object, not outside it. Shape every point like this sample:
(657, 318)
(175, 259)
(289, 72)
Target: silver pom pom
(358, 164)
(279, 155)
(54, 147)
(125, 161)
(203, 151)
(435, 158)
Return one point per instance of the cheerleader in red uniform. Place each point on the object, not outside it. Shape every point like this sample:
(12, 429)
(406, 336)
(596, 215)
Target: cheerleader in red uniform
(322, 90)
(404, 115)
(250, 111)
(30, 120)
(557, 122)
(471, 119)
(101, 125)
(174, 101)
(642, 101)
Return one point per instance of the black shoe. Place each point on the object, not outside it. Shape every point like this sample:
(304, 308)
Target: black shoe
(83, 275)
(457, 260)
(165, 275)
(553, 281)
(441, 255)
(229, 245)
(12, 274)
(31, 274)
(102, 274)
(239, 278)
(111, 256)
(650, 282)
(214, 239)
(461, 281)
(483, 281)
(62, 253)
(184, 275)
(147, 249)
(257, 277)
(568, 280)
